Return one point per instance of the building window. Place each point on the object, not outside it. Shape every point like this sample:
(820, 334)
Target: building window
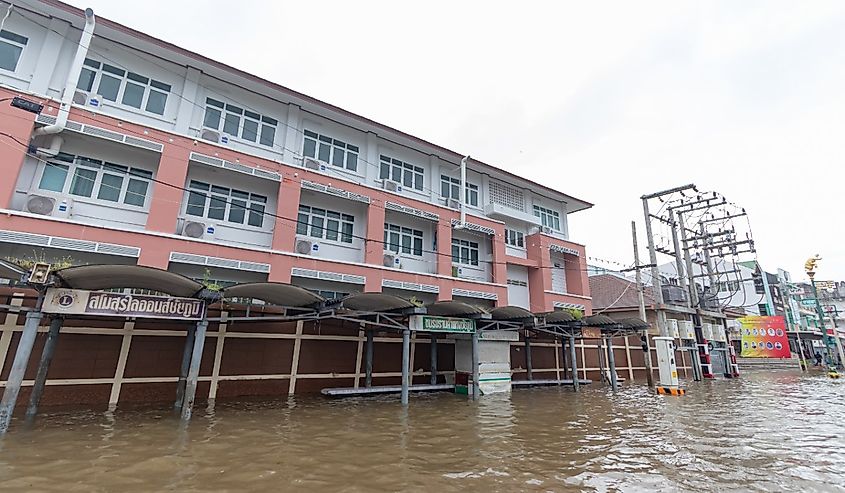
(95, 179)
(225, 204)
(401, 172)
(763, 308)
(324, 224)
(11, 47)
(403, 240)
(464, 252)
(131, 89)
(548, 217)
(238, 122)
(450, 189)
(331, 295)
(514, 238)
(331, 151)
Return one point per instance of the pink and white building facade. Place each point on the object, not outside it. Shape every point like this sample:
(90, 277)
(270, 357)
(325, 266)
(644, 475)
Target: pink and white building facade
(172, 160)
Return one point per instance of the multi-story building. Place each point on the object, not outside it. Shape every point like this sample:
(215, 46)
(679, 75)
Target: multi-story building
(165, 158)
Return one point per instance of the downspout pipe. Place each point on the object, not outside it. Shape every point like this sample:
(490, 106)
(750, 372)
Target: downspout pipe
(69, 89)
(463, 192)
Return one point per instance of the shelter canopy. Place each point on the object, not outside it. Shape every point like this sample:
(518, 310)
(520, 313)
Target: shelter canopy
(9, 270)
(455, 309)
(99, 277)
(275, 293)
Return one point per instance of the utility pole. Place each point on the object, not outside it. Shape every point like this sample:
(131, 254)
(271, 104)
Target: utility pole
(641, 296)
(810, 268)
(655, 274)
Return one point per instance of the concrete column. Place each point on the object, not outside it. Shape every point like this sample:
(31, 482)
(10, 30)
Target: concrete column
(48, 58)
(528, 364)
(17, 123)
(374, 249)
(476, 371)
(406, 360)
(292, 147)
(433, 351)
(499, 268)
(563, 359)
(287, 207)
(611, 363)
(434, 166)
(186, 364)
(44, 366)
(600, 347)
(189, 101)
(13, 383)
(574, 360)
(194, 369)
(368, 359)
(370, 171)
(444, 249)
(166, 202)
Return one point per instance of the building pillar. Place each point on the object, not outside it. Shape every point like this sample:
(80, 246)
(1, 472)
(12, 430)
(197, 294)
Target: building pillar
(540, 277)
(44, 366)
(611, 363)
(528, 364)
(476, 370)
(574, 360)
(186, 364)
(287, 208)
(499, 268)
(18, 124)
(194, 369)
(188, 101)
(368, 359)
(49, 56)
(433, 351)
(13, 383)
(406, 362)
(291, 146)
(374, 245)
(166, 202)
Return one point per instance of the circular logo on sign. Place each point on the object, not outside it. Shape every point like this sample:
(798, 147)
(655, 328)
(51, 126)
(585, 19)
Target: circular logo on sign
(64, 299)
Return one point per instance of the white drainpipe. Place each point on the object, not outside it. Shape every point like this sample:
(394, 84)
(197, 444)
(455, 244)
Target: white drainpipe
(68, 91)
(463, 192)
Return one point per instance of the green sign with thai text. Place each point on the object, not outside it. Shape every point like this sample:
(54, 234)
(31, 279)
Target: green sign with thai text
(427, 323)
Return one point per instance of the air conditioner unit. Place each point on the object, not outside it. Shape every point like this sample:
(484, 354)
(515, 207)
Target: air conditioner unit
(686, 330)
(456, 271)
(214, 136)
(85, 99)
(196, 229)
(718, 333)
(546, 229)
(672, 326)
(453, 203)
(391, 186)
(311, 163)
(391, 259)
(307, 247)
(49, 206)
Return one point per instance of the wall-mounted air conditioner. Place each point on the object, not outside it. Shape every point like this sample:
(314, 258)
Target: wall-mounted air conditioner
(86, 99)
(453, 203)
(311, 163)
(672, 325)
(391, 186)
(686, 330)
(212, 135)
(546, 229)
(306, 247)
(707, 331)
(49, 206)
(196, 229)
(718, 333)
(391, 259)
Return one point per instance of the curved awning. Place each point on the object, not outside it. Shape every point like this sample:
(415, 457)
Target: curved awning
(375, 302)
(599, 321)
(9, 270)
(98, 277)
(275, 293)
(455, 309)
(634, 323)
(511, 313)
(560, 317)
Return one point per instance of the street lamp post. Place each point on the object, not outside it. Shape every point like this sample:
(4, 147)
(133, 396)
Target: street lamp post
(810, 267)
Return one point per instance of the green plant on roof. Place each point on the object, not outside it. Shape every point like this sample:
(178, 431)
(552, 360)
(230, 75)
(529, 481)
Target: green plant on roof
(208, 283)
(578, 314)
(41, 258)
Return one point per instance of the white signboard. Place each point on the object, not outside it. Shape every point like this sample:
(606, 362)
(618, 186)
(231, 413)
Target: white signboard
(82, 302)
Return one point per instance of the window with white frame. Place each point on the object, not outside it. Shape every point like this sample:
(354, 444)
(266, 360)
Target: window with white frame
(464, 252)
(225, 204)
(325, 224)
(400, 239)
(401, 172)
(514, 238)
(97, 180)
(11, 48)
(450, 188)
(239, 122)
(548, 217)
(118, 85)
(330, 150)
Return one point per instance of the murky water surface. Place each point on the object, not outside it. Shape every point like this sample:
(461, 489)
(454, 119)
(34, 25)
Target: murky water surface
(766, 432)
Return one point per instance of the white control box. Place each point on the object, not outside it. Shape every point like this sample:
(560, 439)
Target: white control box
(672, 326)
(707, 331)
(666, 361)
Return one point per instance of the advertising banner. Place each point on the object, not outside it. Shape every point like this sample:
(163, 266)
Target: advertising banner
(82, 302)
(764, 337)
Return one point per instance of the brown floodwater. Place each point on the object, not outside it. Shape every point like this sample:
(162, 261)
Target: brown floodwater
(763, 432)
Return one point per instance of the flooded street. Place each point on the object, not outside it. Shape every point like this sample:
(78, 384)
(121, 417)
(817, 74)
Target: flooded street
(764, 432)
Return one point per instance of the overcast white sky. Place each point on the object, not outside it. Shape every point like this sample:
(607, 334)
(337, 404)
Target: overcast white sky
(605, 101)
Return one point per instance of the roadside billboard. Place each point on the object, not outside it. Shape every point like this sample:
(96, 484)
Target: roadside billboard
(764, 337)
